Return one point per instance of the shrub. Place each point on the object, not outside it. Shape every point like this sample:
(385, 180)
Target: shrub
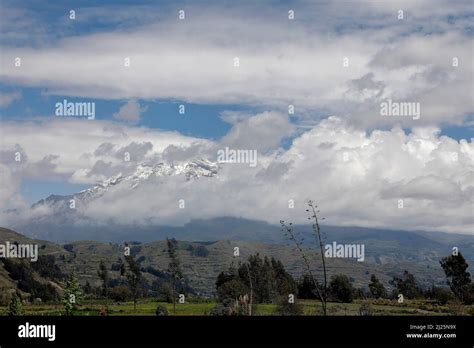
(289, 309)
(222, 309)
(120, 293)
(15, 308)
(161, 311)
(232, 290)
(440, 295)
(341, 288)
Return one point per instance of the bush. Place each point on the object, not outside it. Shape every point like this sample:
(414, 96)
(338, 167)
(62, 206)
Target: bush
(165, 292)
(120, 293)
(341, 288)
(440, 295)
(161, 311)
(15, 308)
(289, 309)
(220, 310)
(232, 290)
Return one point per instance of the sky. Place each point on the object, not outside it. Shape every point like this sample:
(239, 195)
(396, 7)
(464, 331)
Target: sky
(236, 68)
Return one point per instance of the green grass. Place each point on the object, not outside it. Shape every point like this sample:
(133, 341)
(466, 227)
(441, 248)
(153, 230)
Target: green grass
(147, 307)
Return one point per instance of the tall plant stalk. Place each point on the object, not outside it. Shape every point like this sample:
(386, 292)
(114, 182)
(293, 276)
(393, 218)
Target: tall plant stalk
(319, 240)
(291, 235)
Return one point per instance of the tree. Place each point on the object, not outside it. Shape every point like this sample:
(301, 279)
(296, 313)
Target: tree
(376, 288)
(134, 279)
(306, 287)
(103, 274)
(407, 285)
(174, 268)
(15, 308)
(260, 280)
(232, 290)
(72, 295)
(341, 288)
(458, 278)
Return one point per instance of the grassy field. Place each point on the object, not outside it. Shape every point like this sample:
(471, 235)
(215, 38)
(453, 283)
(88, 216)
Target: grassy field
(148, 307)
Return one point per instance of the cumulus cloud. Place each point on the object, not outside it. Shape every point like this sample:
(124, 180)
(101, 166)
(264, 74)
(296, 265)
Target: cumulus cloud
(260, 132)
(131, 111)
(357, 178)
(73, 148)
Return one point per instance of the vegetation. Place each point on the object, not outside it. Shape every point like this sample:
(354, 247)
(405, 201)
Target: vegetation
(258, 285)
(321, 291)
(15, 308)
(103, 274)
(458, 278)
(376, 288)
(161, 310)
(407, 286)
(72, 295)
(341, 288)
(174, 268)
(23, 273)
(134, 279)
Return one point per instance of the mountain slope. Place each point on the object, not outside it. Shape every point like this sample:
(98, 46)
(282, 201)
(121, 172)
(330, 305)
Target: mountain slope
(84, 257)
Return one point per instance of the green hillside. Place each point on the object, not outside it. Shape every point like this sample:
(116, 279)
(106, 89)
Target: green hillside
(84, 257)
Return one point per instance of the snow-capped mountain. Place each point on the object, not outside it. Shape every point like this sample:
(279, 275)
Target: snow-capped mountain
(143, 172)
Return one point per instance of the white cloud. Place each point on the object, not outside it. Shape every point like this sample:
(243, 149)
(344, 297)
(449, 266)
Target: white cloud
(260, 132)
(77, 146)
(357, 178)
(131, 111)
(281, 63)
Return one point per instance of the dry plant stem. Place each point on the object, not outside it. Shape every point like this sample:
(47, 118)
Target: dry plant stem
(308, 268)
(317, 232)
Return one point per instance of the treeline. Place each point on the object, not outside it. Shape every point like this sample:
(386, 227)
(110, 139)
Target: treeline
(258, 280)
(265, 280)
